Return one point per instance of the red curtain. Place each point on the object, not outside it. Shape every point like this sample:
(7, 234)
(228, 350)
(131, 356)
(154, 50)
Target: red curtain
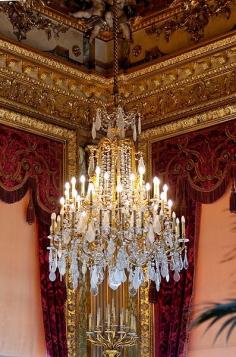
(198, 168)
(35, 163)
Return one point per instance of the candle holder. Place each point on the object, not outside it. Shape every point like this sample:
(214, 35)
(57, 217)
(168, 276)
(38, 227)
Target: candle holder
(113, 337)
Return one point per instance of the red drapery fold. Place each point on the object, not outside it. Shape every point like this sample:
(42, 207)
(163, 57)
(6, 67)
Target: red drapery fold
(198, 167)
(28, 161)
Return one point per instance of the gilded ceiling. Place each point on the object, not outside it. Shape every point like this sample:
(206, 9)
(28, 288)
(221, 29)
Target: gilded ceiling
(154, 29)
(139, 7)
(179, 61)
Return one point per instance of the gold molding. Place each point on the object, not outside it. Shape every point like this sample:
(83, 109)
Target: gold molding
(72, 95)
(192, 123)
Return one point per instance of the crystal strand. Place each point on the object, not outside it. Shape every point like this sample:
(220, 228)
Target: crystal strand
(134, 133)
(139, 124)
(94, 131)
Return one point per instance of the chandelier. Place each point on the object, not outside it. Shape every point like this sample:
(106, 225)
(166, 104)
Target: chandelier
(113, 222)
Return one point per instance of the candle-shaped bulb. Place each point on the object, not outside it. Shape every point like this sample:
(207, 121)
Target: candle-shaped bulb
(91, 188)
(165, 188)
(177, 227)
(119, 188)
(183, 225)
(97, 170)
(82, 179)
(67, 186)
(173, 215)
(170, 205)
(132, 177)
(156, 181)
(156, 186)
(148, 187)
(141, 170)
(141, 166)
(62, 201)
(162, 195)
(106, 176)
(73, 181)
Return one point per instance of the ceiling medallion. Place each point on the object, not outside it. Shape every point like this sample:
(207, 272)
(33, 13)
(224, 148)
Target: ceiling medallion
(114, 222)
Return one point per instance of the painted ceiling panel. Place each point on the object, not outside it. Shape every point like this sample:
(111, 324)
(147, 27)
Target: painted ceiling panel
(137, 7)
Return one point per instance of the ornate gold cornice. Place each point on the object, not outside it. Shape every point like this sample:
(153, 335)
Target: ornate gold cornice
(56, 65)
(192, 123)
(204, 77)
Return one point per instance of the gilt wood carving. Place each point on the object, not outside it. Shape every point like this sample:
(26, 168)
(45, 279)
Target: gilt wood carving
(169, 90)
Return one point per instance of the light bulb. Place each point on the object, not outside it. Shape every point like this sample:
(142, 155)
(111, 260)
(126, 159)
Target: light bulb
(106, 176)
(82, 179)
(156, 180)
(91, 187)
(141, 170)
(119, 188)
(132, 177)
(165, 188)
(183, 219)
(62, 201)
(148, 187)
(170, 203)
(67, 186)
(98, 170)
(73, 180)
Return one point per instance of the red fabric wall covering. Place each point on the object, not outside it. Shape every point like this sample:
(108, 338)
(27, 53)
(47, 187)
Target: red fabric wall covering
(198, 168)
(29, 161)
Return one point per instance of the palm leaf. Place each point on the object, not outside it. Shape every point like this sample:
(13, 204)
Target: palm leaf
(214, 313)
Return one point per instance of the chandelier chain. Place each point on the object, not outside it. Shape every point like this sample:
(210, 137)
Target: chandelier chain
(115, 52)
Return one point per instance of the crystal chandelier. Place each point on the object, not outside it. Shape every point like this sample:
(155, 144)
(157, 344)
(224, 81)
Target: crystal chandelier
(112, 222)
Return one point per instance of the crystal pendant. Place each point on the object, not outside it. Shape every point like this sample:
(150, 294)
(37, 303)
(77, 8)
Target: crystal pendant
(156, 225)
(52, 276)
(185, 260)
(134, 133)
(139, 125)
(94, 134)
(151, 236)
(141, 165)
(176, 276)
(91, 234)
(98, 122)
